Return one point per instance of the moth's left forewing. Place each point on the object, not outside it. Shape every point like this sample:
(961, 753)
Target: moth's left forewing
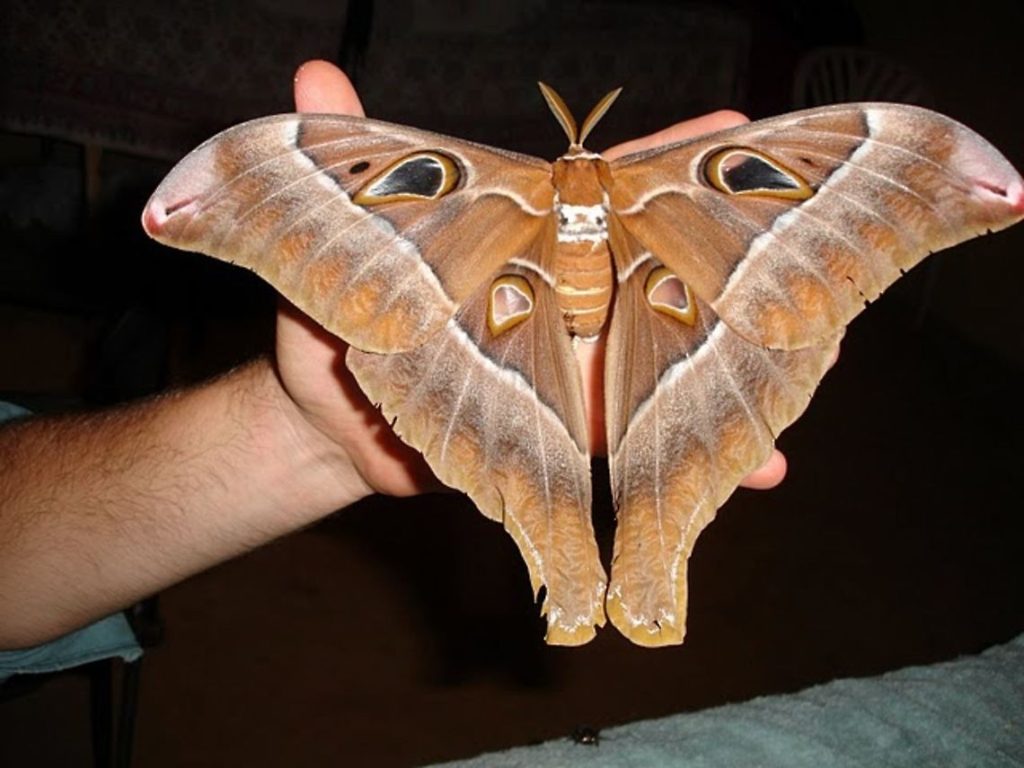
(367, 227)
(851, 196)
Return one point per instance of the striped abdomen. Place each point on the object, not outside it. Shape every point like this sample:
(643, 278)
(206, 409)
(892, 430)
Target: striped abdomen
(584, 285)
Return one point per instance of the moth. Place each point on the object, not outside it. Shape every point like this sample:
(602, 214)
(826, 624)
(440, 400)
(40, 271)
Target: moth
(723, 270)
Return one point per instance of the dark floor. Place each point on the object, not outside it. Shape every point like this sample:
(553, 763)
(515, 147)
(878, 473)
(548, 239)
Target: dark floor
(402, 633)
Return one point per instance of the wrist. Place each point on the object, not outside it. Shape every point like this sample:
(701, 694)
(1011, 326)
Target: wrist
(318, 473)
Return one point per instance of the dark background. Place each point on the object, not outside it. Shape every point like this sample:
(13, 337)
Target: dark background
(402, 632)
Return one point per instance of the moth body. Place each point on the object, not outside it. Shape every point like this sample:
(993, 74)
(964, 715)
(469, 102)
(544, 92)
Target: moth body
(582, 264)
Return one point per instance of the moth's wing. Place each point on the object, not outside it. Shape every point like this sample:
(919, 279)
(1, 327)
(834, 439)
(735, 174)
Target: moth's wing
(690, 410)
(783, 229)
(377, 231)
(833, 205)
(501, 417)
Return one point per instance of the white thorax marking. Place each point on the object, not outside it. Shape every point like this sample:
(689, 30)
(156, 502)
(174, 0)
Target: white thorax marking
(582, 223)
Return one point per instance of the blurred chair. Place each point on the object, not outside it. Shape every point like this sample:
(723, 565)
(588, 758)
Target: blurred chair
(96, 652)
(833, 75)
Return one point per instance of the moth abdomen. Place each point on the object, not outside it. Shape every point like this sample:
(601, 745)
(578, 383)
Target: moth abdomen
(583, 285)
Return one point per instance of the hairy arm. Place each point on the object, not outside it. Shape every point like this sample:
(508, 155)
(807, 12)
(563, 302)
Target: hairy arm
(98, 510)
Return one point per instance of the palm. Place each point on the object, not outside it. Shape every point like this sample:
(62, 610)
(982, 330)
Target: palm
(311, 364)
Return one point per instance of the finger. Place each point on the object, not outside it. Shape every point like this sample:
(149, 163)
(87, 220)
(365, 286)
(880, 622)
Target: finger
(322, 87)
(769, 475)
(834, 359)
(714, 121)
(295, 326)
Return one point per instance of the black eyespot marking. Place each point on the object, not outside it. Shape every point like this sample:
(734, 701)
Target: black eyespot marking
(754, 173)
(359, 167)
(420, 176)
(741, 171)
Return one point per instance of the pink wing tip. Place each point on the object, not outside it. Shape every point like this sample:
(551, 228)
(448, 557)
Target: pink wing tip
(1010, 193)
(990, 175)
(1015, 196)
(157, 213)
(181, 193)
(153, 218)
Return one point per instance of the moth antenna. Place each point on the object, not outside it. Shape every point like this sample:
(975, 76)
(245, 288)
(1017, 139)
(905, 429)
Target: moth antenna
(598, 112)
(561, 112)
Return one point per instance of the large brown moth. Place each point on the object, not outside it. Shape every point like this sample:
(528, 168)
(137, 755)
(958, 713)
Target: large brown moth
(723, 269)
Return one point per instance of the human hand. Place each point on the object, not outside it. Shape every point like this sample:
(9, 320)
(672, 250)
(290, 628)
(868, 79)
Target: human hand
(310, 361)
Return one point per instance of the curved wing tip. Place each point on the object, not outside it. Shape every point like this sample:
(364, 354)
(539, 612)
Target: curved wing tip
(570, 637)
(158, 213)
(652, 634)
(154, 216)
(1012, 193)
(580, 633)
(1002, 192)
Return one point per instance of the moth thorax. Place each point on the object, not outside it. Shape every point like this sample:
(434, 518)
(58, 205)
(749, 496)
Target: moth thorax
(581, 202)
(578, 223)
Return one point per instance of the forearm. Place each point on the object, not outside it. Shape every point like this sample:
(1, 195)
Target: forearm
(98, 510)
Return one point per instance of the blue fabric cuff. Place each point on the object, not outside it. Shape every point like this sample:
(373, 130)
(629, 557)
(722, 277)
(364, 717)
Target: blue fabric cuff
(107, 638)
(11, 411)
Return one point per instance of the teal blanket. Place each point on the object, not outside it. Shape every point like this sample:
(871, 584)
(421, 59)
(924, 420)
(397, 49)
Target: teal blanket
(968, 712)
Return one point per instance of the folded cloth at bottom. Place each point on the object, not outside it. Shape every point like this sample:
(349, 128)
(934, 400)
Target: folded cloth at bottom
(966, 712)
